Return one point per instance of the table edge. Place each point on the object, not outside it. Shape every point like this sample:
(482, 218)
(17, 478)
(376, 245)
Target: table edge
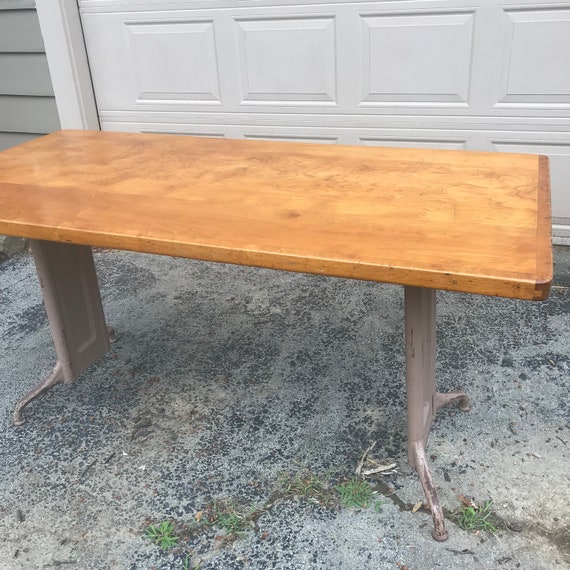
(516, 288)
(544, 259)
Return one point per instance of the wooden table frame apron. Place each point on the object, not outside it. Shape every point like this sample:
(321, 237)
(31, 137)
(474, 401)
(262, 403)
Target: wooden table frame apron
(73, 303)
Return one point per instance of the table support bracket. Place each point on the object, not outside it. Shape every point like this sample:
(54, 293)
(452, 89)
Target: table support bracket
(422, 395)
(73, 304)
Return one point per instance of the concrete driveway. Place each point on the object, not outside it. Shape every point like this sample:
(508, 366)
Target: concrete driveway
(248, 395)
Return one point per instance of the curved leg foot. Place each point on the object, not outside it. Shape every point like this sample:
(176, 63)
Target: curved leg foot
(443, 399)
(422, 469)
(54, 377)
(464, 404)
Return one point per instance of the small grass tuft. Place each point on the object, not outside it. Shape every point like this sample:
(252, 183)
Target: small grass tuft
(162, 534)
(233, 520)
(357, 494)
(475, 517)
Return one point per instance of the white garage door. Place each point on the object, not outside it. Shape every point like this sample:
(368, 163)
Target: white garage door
(457, 74)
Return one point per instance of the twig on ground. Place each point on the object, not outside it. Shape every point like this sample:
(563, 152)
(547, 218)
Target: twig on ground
(363, 459)
(380, 469)
(87, 469)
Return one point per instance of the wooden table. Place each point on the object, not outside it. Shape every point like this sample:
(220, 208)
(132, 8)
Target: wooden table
(427, 219)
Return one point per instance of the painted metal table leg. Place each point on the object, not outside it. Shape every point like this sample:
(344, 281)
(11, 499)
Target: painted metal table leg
(73, 304)
(423, 399)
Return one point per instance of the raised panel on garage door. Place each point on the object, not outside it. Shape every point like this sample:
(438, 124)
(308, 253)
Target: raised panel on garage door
(536, 58)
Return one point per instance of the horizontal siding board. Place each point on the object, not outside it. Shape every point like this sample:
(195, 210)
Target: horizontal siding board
(20, 31)
(12, 139)
(28, 114)
(24, 74)
(17, 4)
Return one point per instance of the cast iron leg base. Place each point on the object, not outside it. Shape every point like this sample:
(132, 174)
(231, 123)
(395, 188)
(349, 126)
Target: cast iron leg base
(443, 399)
(419, 462)
(53, 378)
(56, 376)
(423, 398)
(73, 305)
(422, 469)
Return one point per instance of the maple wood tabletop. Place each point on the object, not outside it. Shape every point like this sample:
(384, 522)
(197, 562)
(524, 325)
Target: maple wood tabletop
(476, 222)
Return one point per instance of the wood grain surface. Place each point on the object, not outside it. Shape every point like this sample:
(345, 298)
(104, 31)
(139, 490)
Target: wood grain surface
(464, 221)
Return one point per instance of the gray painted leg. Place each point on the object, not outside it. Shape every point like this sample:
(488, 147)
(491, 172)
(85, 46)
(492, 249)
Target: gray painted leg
(75, 313)
(423, 399)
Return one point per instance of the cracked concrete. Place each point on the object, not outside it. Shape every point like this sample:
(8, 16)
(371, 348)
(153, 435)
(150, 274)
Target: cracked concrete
(225, 377)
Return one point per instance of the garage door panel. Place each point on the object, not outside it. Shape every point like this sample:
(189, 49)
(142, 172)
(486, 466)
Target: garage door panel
(422, 58)
(161, 57)
(287, 60)
(217, 131)
(414, 142)
(293, 138)
(536, 58)
(152, 62)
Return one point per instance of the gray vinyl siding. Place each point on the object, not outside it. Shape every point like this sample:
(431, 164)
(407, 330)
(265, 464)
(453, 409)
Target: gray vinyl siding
(20, 31)
(22, 114)
(34, 82)
(27, 103)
